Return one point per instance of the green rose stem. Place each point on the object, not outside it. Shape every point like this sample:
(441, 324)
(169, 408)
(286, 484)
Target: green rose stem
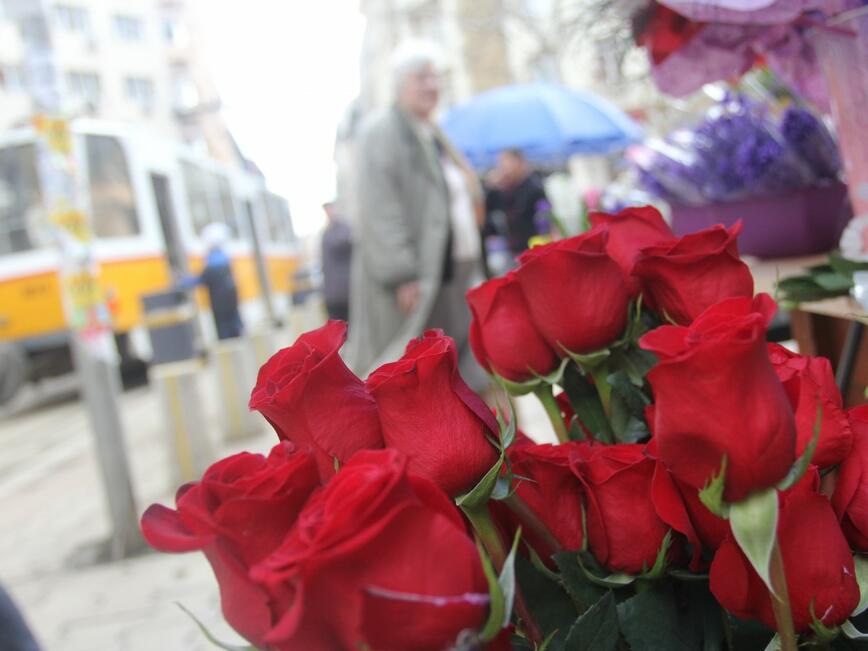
(781, 603)
(553, 411)
(604, 390)
(486, 531)
(531, 521)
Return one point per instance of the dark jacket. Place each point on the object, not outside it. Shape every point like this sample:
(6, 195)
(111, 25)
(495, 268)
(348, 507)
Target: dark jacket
(337, 249)
(218, 279)
(518, 206)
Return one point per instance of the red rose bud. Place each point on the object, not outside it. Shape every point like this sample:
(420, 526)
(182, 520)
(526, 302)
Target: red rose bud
(809, 382)
(575, 292)
(817, 563)
(379, 559)
(237, 515)
(548, 487)
(851, 491)
(625, 532)
(684, 277)
(630, 231)
(430, 414)
(311, 398)
(717, 396)
(502, 336)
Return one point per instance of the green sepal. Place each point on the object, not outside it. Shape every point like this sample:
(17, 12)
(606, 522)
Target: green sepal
(496, 598)
(823, 633)
(210, 637)
(848, 629)
(712, 493)
(479, 495)
(337, 464)
(540, 566)
(754, 524)
(616, 580)
(546, 643)
(683, 575)
(507, 429)
(589, 361)
(507, 581)
(523, 388)
(659, 568)
(800, 467)
(861, 564)
(774, 643)
(597, 628)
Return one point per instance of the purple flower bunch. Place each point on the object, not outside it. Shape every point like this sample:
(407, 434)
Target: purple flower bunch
(738, 151)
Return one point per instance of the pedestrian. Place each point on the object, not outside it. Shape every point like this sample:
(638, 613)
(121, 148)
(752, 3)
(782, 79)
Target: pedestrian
(337, 248)
(419, 210)
(218, 279)
(14, 632)
(518, 193)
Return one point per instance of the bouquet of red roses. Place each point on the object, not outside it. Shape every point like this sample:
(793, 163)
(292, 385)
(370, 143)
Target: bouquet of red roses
(707, 490)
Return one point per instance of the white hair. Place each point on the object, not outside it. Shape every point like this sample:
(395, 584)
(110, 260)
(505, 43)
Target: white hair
(216, 235)
(413, 55)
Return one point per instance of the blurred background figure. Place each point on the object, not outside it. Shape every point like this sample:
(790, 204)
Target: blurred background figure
(15, 635)
(419, 212)
(516, 198)
(217, 278)
(337, 249)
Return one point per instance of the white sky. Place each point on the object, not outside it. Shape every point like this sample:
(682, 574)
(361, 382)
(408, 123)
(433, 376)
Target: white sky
(286, 71)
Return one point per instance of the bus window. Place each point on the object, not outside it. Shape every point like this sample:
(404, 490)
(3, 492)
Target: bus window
(21, 208)
(197, 196)
(226, 204)
(286, 218)
(113, 200)
(279, 222)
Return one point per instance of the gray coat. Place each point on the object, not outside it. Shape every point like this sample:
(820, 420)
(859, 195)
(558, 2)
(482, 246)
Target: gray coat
(402, 230)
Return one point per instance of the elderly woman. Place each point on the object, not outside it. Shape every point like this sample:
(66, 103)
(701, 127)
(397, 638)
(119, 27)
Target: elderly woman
(419, 210)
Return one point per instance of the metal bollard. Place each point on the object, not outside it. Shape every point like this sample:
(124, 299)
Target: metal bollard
(190, 449)
(236, 368)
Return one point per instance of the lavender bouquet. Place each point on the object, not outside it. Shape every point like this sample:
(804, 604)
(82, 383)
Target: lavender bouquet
(738, 151)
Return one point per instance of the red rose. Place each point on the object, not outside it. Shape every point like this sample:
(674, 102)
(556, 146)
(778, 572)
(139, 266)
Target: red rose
(311, 398)
(547, 486)
(237, 515)
(684, 277)
(851, 491)
(717, 396)
(630, 231)
(378, 558)
(809, 381)
(625, 533)
(817, 563)
(575, 292)
(430, 414)
(502, 336)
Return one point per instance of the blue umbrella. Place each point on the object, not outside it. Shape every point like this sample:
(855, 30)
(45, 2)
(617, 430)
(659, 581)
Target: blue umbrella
(549, 123)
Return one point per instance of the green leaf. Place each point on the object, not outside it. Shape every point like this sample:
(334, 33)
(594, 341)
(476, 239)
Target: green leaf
(547, 643)
(585, 402)
(861, 564)
(596, 629)
(582, 590)
(800, 467)
(497, 600)
(507, 580)
(211, 638)
(833, 282)
(651, 621)
(481, 493)
(549, 604)
(712, 494)
(754, 524)
(844, 265)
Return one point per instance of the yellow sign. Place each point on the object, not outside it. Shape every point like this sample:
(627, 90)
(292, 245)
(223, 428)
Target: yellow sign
(73, 222)
(56, 133)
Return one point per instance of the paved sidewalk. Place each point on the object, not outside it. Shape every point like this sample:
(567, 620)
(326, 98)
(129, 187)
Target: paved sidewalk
(52, 512)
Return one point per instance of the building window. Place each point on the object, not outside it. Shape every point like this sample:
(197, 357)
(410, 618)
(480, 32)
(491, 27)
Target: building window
(12, 78)
(71, 18)
(140, 91)
(129, 28)
(175, 32)
(85, 86)
(112, 199)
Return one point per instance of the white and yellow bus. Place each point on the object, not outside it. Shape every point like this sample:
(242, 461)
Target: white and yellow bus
(149, 200)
